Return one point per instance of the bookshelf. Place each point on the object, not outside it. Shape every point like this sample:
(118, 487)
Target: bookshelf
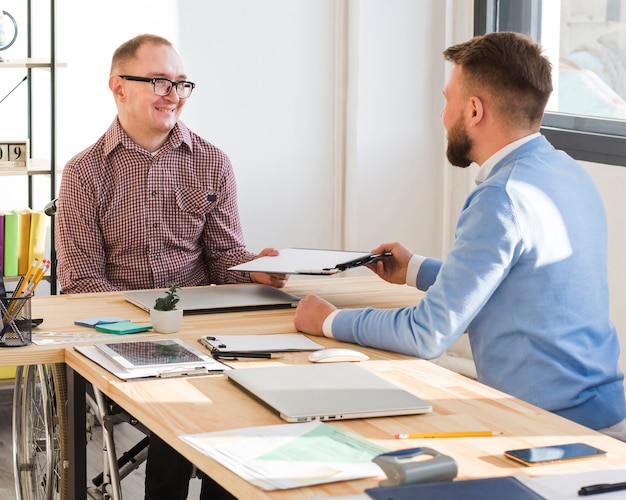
(37, 69)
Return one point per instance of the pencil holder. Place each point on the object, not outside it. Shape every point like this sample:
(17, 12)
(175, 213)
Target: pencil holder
(17, 327)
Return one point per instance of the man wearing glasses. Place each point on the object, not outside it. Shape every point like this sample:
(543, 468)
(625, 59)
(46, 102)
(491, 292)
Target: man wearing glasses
(148, 204)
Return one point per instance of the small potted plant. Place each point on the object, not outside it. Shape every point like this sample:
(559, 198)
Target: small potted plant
(164, 315)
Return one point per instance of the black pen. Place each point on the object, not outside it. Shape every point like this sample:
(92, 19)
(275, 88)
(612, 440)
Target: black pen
(595, 489)
(361, 261)
(235, 355)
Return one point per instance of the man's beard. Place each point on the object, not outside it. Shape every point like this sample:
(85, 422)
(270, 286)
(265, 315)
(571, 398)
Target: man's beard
(459, 145)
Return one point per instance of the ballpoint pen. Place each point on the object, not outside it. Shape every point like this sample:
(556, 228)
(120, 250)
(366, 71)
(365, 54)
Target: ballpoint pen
(595, 489)
(361, 261)
(235, 355)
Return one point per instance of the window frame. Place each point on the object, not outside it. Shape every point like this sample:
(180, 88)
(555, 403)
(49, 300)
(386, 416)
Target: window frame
(584, 138)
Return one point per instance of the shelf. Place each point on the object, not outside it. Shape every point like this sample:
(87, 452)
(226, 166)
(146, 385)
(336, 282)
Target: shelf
(29, 63)
(35, 118)
(34, 167)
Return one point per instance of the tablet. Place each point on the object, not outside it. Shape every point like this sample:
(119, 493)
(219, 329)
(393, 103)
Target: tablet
(154, 353)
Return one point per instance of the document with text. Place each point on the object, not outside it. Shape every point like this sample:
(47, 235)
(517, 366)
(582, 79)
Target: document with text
(291, 455)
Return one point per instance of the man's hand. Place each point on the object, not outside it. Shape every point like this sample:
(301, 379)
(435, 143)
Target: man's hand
(392, 269)
(275, 280)
(311, 313)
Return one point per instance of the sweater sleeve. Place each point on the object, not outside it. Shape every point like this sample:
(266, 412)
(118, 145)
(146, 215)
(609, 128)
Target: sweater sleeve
(487, 244)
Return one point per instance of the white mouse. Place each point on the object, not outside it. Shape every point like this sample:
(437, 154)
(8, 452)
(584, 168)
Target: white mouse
(337, 354)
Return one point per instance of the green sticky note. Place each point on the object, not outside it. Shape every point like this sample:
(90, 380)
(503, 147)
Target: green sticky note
(123, 327)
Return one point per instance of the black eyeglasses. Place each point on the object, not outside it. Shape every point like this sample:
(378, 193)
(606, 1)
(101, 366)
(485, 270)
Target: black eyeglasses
(163, 86)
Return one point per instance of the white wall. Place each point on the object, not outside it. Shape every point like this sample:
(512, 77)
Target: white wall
(268, 95)
(611, 181)
(264, 75)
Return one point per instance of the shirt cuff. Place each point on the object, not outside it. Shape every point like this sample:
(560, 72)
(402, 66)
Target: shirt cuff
(413, 268)
(327, 327)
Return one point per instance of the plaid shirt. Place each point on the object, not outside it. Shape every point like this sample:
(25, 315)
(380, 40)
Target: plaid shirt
(129, 219)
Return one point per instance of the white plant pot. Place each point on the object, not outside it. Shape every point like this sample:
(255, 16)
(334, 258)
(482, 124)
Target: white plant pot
(166, 321)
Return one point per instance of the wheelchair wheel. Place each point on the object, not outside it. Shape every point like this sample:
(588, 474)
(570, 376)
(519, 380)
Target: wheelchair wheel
(40, 432)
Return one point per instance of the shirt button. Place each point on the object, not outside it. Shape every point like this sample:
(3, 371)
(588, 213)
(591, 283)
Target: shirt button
(155, 225)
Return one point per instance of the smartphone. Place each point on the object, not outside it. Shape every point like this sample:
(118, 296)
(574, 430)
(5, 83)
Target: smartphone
(553, 454)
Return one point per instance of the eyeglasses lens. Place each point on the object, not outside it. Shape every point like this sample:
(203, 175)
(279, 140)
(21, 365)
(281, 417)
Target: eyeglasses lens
(164, 87)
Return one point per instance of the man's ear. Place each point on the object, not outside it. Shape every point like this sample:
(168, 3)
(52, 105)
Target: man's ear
(117, 87)
(476, 110)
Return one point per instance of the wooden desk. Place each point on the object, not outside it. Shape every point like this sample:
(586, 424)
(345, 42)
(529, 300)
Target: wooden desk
(60, 311)
(201, 404)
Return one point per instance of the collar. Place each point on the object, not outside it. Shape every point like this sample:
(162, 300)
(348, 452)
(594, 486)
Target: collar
(116, 135)
(485, 168)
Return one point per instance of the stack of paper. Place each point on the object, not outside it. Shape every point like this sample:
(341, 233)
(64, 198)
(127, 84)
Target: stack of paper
(291, 455)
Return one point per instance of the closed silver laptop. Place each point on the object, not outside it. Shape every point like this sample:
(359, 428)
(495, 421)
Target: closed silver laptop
(220, 298)
(337, 391)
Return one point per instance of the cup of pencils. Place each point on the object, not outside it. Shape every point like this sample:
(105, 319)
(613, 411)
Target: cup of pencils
(16, 329)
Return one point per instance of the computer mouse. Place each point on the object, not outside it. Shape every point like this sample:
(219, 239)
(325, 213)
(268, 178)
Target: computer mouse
(336, 354)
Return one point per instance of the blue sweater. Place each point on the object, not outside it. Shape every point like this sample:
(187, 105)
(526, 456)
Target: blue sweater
(526, 278)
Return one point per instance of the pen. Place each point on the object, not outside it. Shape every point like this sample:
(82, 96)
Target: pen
(595, 489)
(368, 259)
(445, 434)
(235, 355)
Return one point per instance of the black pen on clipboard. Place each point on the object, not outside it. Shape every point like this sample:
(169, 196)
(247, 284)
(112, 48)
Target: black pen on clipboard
(234, 355)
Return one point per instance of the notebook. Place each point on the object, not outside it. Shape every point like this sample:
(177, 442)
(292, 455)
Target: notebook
(219, 298)
(492, 488)
(337, 391)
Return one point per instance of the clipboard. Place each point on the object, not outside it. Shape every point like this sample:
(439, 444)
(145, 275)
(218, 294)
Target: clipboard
(266, 343)
(154, 353)
(309, 261)
(212, 367)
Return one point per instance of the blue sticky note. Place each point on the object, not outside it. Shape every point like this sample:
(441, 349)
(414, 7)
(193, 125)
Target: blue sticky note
(100, 320)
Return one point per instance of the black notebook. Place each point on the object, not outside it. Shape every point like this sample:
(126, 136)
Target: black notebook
(493, 488)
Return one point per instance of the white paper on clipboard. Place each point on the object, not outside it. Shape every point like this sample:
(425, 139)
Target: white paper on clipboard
(307, 261)
(279, 342)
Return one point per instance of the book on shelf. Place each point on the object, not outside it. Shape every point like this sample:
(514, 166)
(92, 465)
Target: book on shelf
(1, 247)
(11, 222)
(23, 241)
(37, 237)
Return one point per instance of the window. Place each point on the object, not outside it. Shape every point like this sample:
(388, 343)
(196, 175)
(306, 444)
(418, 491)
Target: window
(586, 115)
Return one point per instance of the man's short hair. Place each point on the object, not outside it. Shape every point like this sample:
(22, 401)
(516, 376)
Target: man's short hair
(128, 50)
(508, 70)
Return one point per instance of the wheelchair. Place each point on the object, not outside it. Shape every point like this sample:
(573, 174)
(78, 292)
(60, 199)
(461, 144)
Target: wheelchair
(40, 434)
(40, 437)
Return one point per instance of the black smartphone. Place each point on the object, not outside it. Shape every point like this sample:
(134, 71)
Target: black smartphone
(552, 454)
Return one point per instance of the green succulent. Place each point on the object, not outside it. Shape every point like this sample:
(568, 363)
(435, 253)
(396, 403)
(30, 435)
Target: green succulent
(168, 303)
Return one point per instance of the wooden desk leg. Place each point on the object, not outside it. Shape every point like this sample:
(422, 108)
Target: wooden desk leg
(77, 436)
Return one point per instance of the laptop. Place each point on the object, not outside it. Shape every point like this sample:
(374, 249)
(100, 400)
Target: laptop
(218, 298)
(337, 391)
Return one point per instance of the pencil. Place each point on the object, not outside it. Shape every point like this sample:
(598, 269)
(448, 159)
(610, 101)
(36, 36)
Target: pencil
(445, 434)
(22, 286)
(26, 278)
(45, 265)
